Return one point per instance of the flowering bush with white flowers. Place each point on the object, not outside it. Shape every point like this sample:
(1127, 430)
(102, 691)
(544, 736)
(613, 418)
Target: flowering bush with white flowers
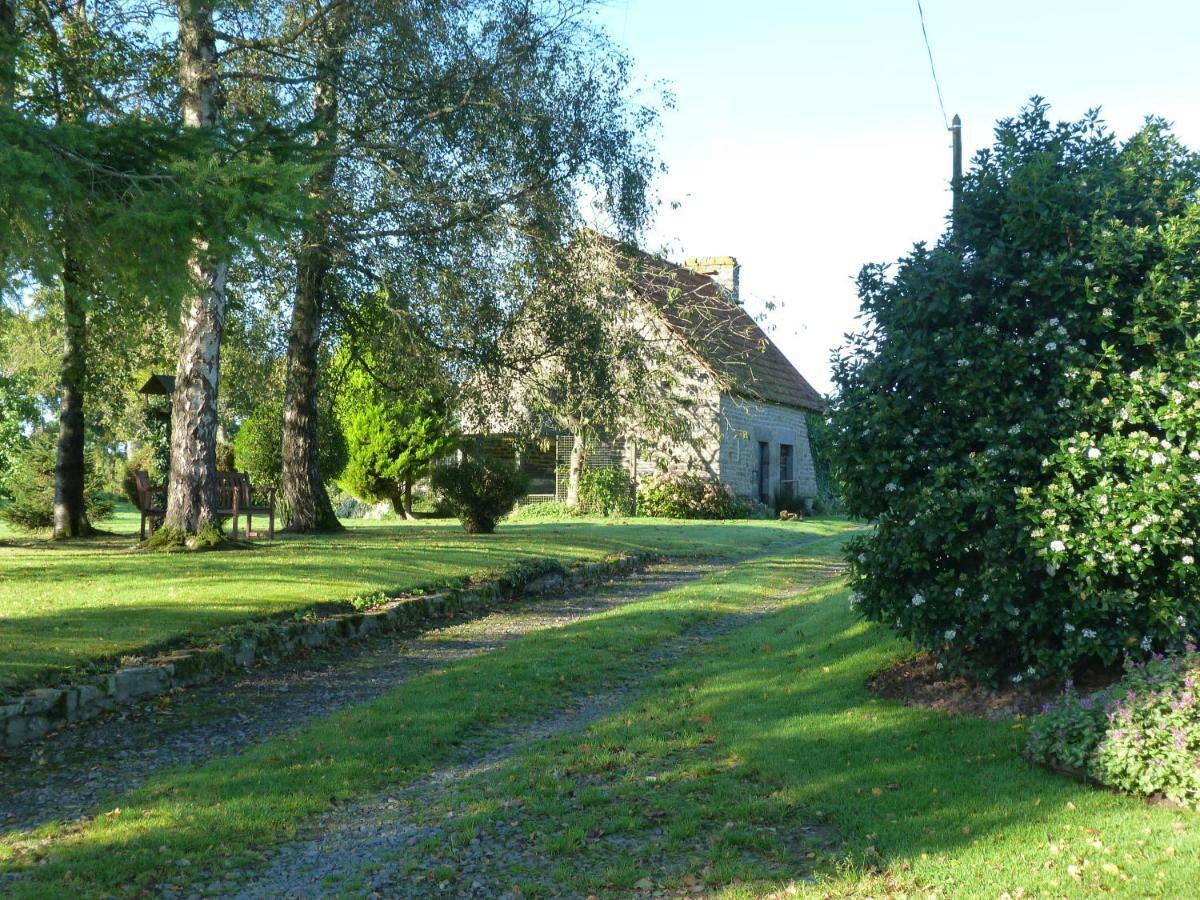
(1142, 735)
(1020, 415)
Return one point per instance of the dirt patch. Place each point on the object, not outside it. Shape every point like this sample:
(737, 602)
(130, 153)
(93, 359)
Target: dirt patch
(916, 681)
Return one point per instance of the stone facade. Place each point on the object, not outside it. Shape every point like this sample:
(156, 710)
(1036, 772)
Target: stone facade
(745, 424)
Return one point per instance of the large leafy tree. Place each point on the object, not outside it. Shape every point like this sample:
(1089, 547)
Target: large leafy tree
(94, 210)
(453, 143)
(253, 191)
(1020, 415)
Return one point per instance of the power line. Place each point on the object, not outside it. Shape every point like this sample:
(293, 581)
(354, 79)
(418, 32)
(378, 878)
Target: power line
(932, 68)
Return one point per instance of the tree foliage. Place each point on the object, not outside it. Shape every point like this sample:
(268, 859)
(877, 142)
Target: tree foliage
(258, 445)
(1020, 416)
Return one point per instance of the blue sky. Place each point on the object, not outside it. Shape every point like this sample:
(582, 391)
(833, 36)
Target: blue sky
(807, 139)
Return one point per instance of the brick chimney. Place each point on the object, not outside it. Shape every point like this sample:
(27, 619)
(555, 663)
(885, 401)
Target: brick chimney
(724, 270)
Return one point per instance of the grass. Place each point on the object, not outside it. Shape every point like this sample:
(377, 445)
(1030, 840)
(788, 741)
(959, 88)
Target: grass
(222, 811)
(751, 768)
(65, 604)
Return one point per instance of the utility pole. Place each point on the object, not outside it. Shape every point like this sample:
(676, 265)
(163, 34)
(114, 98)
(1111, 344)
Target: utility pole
(956, 178)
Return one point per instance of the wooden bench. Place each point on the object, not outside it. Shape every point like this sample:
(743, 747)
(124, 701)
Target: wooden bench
(152, 502)
(235, 496)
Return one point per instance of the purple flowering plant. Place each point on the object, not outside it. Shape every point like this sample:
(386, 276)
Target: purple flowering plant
(1141, 735)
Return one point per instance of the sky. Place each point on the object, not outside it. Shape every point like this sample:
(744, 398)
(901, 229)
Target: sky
(806, 137)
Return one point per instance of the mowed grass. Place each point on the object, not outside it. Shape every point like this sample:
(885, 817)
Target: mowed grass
(70, 603)
(741, 764)
(220, 814)
(760, 766)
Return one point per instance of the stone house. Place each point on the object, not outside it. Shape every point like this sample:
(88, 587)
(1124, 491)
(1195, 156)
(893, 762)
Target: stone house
(747, 404)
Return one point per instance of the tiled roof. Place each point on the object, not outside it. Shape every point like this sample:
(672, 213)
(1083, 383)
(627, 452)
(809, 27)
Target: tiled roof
(717, 331)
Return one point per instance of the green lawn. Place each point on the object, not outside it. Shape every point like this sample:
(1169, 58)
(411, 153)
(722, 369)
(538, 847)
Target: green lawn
(63, 604)
(751, 766)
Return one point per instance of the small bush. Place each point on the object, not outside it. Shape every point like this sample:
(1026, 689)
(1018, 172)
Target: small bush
(479, 492)
(258, 446)
(689, 497)
(1142, 735)
(31, 484)
(606, 492)
(142, 460)
(226, 459)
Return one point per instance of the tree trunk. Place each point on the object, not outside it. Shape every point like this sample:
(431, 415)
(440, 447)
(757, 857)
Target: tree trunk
(70, 512)
(303, 487)
(408, 513)
(575, 470)
(70, 505)
(192, 493)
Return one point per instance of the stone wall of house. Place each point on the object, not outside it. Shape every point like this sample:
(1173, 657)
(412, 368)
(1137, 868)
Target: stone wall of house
(744, 423)
(697, 454)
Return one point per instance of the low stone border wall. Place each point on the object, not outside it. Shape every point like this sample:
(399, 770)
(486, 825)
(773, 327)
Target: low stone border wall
(40, 711)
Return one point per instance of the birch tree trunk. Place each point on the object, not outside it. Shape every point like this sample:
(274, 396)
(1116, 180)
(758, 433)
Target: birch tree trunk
(70, 512)
(192, 494)
(303, 487)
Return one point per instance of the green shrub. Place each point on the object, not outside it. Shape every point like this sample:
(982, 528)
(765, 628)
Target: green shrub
(606, 492)
(31, 485)
(226, 458)
(1021, 415)
(258, 446)
(18, 409)
(142, 460)
(1142, 735)
(479, 492)
(689, 497)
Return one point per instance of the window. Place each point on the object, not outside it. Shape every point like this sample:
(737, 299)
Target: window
(785, 463)
(764, 472)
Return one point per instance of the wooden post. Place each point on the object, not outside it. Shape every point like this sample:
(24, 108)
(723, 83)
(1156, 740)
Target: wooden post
(956, 178)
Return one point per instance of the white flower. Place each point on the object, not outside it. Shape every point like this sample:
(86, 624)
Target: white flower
(1088, 633)
(1016, 429)
(950, 634)
(1068, 628)
(918, 600)
(1063, 403)
(1158, 458)
(1194, 385)
(1194, 456)
(1181, 621)
(1050, 345)
(1058, 546)
(855, 598)
(958, 592)
(1146, 644)
(1016, 679)
(1188, 560)
(940, 666)
(1094, 453)
(891, 487)
(1138, 528)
